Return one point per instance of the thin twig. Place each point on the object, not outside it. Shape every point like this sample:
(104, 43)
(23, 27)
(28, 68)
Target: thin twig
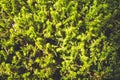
(6, 50)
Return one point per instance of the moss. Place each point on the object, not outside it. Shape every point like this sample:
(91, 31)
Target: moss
(60, 39)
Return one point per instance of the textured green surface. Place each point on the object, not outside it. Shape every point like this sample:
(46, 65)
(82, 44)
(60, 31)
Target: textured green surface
(60, 39)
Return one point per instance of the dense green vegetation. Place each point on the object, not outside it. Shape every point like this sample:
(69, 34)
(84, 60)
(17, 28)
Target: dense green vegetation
(60, 39)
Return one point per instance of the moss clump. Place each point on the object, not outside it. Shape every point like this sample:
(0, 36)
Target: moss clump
(60, 39)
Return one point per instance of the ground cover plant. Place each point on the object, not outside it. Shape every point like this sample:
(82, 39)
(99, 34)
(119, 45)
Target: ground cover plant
(60, 39)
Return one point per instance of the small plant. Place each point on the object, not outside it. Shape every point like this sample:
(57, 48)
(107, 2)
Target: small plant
(60, 39)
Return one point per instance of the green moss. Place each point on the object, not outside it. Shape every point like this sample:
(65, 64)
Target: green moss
(60, 39)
